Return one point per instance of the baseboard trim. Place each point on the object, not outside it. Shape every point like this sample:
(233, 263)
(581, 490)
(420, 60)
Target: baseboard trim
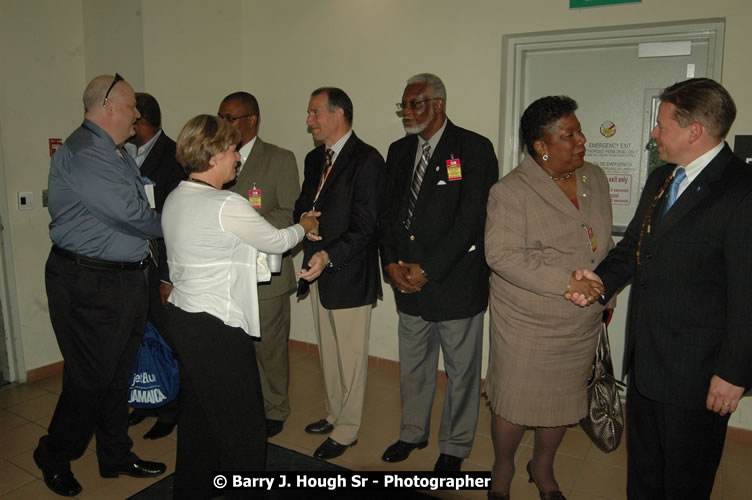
(44, 372)
(734, 433)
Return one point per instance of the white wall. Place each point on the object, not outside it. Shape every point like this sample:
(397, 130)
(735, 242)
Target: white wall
(41, 51)
(195, 52)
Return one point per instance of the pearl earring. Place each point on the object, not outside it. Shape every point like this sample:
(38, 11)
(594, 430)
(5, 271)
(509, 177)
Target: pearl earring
(545, 157)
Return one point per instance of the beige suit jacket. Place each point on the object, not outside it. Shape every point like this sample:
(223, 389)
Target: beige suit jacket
(274, 171)
(535, 238)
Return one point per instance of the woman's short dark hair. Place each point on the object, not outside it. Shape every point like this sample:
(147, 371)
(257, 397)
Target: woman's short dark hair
(201, 138)
(541, 115)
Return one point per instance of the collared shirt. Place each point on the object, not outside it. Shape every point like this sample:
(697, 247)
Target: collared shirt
(337, 146)
(140, 153)
(433, 142)
(696, 166)
(244, 152)
(97, 200)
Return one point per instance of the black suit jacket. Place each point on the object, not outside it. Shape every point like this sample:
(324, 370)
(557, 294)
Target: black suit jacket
(446, 232)
(164, 170)
(161, 167)
(350, 203)
(688, 317)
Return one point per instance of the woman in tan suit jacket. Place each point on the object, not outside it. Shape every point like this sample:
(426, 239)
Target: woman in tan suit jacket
(548, 216)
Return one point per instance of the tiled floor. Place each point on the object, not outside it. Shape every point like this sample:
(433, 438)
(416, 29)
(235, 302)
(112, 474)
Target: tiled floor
(582, 470)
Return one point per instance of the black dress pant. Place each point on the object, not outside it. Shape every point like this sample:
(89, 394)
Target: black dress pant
(99, 318)
(673, 452)
(222, 423)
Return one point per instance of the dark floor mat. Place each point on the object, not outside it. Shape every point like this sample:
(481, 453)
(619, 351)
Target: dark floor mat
(280, 459)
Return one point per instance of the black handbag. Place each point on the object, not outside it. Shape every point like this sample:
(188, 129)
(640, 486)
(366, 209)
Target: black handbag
(604, 423)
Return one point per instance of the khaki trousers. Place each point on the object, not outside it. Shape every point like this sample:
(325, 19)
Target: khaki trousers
(342, 336)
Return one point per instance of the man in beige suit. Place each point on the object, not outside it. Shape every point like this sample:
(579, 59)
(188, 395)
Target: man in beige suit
(268, 177)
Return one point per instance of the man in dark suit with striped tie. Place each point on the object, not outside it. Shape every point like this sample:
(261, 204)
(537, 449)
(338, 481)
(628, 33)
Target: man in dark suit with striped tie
(438, 178)
(344, 180)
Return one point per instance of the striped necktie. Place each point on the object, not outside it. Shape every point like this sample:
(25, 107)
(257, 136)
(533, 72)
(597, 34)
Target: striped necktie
(420, 171)
(324, 173)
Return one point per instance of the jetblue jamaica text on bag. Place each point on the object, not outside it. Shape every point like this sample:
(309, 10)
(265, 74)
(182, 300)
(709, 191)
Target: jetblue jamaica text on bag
(155, 380)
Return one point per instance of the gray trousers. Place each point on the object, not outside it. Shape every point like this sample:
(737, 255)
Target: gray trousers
(462, 343)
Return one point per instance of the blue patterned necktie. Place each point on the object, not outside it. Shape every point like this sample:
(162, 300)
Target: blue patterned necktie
(420, 171)
(673, 190)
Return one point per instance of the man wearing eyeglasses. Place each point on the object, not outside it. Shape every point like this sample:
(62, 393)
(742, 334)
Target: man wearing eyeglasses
(268, 177)
(432, 253)
(96, 287)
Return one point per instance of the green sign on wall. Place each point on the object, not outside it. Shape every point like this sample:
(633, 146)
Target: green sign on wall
(576, 4)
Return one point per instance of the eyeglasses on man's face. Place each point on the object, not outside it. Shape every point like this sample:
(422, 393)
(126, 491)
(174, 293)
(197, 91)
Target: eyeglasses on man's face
(230, 118)
(417, 105)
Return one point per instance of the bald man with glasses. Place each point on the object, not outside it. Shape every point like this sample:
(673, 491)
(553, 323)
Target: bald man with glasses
(97, 287)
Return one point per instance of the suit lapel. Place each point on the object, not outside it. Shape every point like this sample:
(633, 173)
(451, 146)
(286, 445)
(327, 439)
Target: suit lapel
(584, 194)
(246, 175)
(697, 191)
(404, 177)
(550, 193)
(340, 164)
(152, 160)
(446, 148)
(257, 152)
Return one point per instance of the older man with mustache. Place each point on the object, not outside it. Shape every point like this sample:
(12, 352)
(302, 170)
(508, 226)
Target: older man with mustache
(432, 253)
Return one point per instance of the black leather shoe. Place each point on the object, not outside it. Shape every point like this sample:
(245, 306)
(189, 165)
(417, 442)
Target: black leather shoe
(62, 482)
(320, 427)
(160, 430)
(400, 450)
(136, 468)
(134, 418)
(331, 449)
(273, 427)
(448, 463)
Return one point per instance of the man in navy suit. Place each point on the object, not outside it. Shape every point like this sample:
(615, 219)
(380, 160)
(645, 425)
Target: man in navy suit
(432, 253)
(344, 180)
(687, 252)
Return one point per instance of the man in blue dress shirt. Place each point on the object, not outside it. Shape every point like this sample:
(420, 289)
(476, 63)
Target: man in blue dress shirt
(96, 287)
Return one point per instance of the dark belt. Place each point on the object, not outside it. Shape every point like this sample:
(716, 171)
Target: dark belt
(97, 263)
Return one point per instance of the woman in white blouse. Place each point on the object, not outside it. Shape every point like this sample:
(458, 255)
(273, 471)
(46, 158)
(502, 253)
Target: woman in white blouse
(213, 239)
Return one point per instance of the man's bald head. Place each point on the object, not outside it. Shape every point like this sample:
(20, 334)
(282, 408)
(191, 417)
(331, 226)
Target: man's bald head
(117, 114)
(95, 91)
